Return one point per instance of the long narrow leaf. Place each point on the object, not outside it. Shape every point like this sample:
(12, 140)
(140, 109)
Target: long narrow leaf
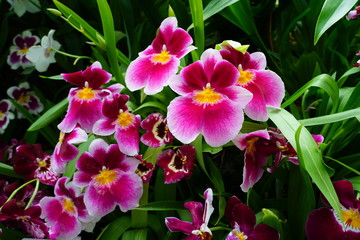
(110, 39)
(115, 229)
(49, 116)
(196, 9)
(331, 118)
(311, 157)
(331, 12)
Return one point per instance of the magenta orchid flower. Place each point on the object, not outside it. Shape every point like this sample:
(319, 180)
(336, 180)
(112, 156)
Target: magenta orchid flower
(144, 169)
(157, 63)
(32, 161)
(259, 146)
(65, 151)
(210, 103)
(110, 179)
(177, 164)
(85, 102)
(22, 43)
(157, 131)
(324, 223)
(26, 98)
(265, 85)
(242, 220)
(354, 14)
(15, 216)
(198, 229)
(5, 114)
(117, 119)
(65, 212)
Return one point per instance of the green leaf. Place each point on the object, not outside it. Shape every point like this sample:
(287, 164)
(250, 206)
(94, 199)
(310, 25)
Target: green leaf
(110, 39)
(331, 12)
(135, 234)
(310, 156)
(8, 170)
(355, 182)
(56, 77)
(331, 118)
(115, 229)
(196, 9)
(152, 104)
(323, 81)
(161, 206)
(49, 116)
(272, 220)
(349, 72)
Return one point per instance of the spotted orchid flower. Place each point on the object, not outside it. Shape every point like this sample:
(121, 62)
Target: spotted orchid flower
(265, 85)
(144, 169)
(42, 56)
(157, 131)
(157, 63)
(65, 151)
(14, 216)
(32, 161)
(110, 179)
(85, 101)
(198, 229)
(324, 223)
(117, 119)
(22, 43)
(65, 212)
(242, 220)
(177, 164)
(26, 98)
(5, 115)
(22, 6)
(210, 102)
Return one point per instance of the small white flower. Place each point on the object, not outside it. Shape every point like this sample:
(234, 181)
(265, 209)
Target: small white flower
(44, 55)
(22, 6)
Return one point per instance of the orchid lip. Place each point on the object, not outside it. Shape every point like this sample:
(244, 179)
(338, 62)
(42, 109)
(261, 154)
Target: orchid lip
(207, 96)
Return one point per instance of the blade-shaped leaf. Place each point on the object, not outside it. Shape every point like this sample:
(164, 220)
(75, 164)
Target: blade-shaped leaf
(196, 9)
(162, 206)
(115, 229)
(331, 118)
(310, 155)
(331, 12)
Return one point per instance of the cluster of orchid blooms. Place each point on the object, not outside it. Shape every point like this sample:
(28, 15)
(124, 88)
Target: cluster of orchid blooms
(213, 95)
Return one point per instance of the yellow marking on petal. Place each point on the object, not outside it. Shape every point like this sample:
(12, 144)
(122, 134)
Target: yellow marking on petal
(207, 95)
(42, 164)
(245, 77)
(1, 115)
(162, 57)
(351, 217)
(239, 235)
(86, 93)
(125, 119)
(205, 235)
(106, 176)
(61, 137)
(68, 205)
(251, 144)
(23, 98)
(24, 50)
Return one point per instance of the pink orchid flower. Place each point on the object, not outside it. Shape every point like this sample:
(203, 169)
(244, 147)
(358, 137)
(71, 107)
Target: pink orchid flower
(157, 131)
(110, 179)
(85, 102)
(198, 229)
(64, 151)
(265, 85)
(117, 119)
(210, 102)
(157, 63)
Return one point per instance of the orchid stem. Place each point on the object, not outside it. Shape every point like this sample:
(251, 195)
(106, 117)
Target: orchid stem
(71, 55)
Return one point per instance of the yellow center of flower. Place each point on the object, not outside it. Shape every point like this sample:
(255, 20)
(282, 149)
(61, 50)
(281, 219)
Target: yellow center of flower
(125, 118)
(42, 164)
(106, 176)
(205, 235)
(207, 95)
(2, 115)
(24, 50)
(61, 137)
(351, 217)
(68, 206)
(23, 98)
(86, 93)
(245, 77)
(162, 57)
(239, 235)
